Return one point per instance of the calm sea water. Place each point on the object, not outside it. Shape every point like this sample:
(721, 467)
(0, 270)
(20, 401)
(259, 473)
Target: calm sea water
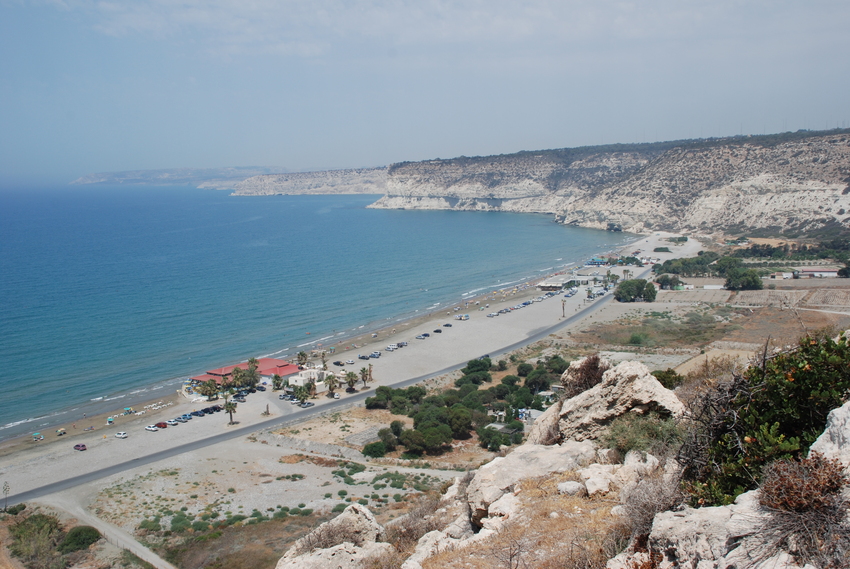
(110, 294)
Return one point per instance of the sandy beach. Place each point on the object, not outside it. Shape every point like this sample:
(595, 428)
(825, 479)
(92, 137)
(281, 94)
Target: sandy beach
(28, 465)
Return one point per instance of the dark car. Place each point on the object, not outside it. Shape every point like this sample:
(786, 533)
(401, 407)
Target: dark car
(438, 331)
(197, 413)
(239, 399)
(426, 335)
(217, 408)
(338, 363)
(160, 425)
(260, 388)
(362, 357)
(79, 447)
(207, 410)
(350, 390)
(447, 325)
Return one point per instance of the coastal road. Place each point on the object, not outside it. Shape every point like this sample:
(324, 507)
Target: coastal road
(297, 416)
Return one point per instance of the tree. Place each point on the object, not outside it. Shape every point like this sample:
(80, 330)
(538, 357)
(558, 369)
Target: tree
(251, 375)
(632, 290)
(208, 389)
(460, 422)
(230, 409)
(649, 292)
(277, 382)
(237, 377)
(311, 389)
(301, 358)
(523, 370)
(375, 450)
(302, 393)
(388, 438)
(324, 357)
(351, 379)
(332, 383)
(364, 375)
(743, 279)
(413, 441)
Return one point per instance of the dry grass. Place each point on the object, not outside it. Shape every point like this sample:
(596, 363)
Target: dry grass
(705, 376)
(554, 530)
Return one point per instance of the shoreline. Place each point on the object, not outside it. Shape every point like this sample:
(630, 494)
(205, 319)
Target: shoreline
(29, 466)
(372, 334)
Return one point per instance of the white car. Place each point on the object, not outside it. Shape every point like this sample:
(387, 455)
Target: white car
(171, 423)
(121, 435)
(151, 428)
(349, 362)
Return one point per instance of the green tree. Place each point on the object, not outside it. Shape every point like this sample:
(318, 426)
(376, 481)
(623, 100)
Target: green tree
(460, 422)
(388, 438)
(277, 383)
(237, 377)
(302, 393)
(302, 357)
(364, 375)
(230, 409)
(413, 441)
(351, 379)
(649, 292)
(743, 279)
(252, 375)
(332, 383)
(375, 450)
(208, 389)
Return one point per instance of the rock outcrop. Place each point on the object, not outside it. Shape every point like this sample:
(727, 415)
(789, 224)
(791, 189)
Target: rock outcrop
(626, 388)
(345, 542)
(351, 181)
(499, 476)
(834, 442)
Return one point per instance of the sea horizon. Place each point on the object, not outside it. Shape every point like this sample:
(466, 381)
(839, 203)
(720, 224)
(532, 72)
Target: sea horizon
(117, 294)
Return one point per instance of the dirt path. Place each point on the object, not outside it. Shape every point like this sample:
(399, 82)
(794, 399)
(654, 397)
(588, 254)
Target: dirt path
(72, 502)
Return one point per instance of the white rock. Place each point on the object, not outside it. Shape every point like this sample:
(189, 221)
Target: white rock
(834, 442)
(544, 431)
(572, 488)
(597, 486)
(342, 556)
(356, 525)
(624, 388)
(528, 461)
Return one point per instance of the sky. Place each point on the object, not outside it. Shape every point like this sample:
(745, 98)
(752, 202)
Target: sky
(110, 85)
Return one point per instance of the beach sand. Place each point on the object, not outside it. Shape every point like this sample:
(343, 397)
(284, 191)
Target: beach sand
(27, 465)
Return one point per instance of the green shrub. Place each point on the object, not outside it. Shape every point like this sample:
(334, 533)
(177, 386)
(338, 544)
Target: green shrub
(398, 497)
(151, 524)
(375, 450)
(774, 411)
(280, 514)
(306, 512)
(647, 433)
(180, 523)
(339, 508)
(15, 510)
(200, 526)
(669, 378)
(295, 512)
(236, 519)
(363, 502)
(78, 538)
(342, 493)
(524, 369)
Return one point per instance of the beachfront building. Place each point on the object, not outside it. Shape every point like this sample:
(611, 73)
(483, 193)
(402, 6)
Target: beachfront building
(267, 368)
(315, 376)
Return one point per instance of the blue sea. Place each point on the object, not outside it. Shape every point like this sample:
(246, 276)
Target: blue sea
(111, 295)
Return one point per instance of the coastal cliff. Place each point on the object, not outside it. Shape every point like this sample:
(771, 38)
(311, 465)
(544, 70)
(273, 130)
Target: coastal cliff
(350, 181)
(790, 183)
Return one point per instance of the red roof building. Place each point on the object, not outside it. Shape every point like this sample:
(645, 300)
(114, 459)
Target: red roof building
(267, 367)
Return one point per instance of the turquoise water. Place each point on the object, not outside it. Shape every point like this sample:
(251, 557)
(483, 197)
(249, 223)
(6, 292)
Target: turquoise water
(110, 294)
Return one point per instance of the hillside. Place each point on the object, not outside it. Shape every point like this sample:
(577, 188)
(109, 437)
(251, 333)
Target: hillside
(791, 183)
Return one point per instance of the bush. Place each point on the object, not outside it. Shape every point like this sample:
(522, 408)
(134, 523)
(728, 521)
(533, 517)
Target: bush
(774, 411)
(35, 539)
(646, 433)
(375, 450)
(585, 376)
(807, 510)
(668, 378)
(15, 510)
(524, 369)
(339, 508)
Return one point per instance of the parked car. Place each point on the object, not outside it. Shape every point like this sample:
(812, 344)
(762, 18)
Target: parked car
(186, 416)
(338, 363)
(161, 425)
(283, 397)
(447, 325)
(426, 335)
(79, 447)
(420, 337)
(350, 390)
(239, 399)
(171, 423)
(261, 388)
(349, 362)
(307, 404)
(362, 357)
(438, 331)
(151, 428)
(217, 408)
(197, 413)
(121, 435)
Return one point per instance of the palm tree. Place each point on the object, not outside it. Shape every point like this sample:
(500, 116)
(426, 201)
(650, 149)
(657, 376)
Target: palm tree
(351, 379)
(332, 383)
(229, 408)
(311, 389)
(364, 375)
(301, 394)
(237, 377)
(324, 359)
(277, 382)
(302, 358)
(208, 389)
(251, 375)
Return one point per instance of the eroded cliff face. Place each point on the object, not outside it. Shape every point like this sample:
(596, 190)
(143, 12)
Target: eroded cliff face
(351, 181)
(740, 184)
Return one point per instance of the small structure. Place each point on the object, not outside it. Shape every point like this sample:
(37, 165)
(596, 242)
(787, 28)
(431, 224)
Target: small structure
(816, 273)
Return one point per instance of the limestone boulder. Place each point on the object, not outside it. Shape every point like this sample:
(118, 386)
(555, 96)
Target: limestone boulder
(572, 488)
(500, 475)
(834, 442)
(544, 431)
(356, 525)
(343, 556)
(626, 388)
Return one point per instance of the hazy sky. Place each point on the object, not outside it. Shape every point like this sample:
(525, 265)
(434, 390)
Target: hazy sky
(103, 85)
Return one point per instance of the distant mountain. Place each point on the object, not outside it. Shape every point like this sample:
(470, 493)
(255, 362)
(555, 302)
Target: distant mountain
(350, 181)
(212, 178)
